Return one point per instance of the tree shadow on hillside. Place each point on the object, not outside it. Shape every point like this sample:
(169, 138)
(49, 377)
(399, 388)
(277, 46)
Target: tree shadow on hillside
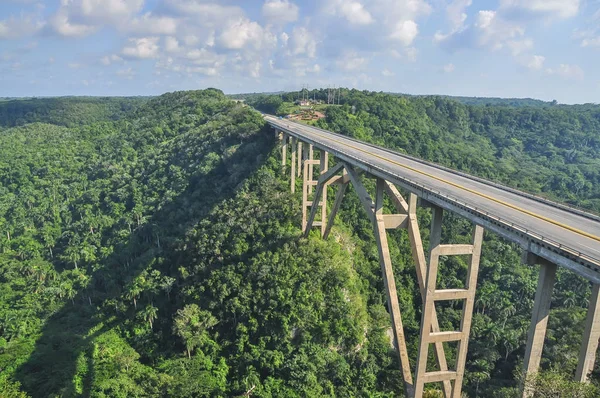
(67, 337)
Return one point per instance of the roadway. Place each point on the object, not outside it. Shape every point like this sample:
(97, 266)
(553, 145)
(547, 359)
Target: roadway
(577, 232)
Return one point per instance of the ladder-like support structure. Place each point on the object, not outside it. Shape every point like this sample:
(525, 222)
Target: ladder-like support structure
(308, 186)
(433, 295)
(405, 217)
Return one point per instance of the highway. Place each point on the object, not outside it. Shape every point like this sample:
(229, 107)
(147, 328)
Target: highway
(577, 232)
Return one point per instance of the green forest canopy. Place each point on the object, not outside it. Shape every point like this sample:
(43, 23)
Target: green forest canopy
(151, 247)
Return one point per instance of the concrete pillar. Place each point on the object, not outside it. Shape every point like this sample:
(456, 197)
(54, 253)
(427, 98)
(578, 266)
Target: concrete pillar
(539, 319)
(293, 166)
(284, 151)
(299, 155)
(324, 166)
(311, 156)
(591, 334)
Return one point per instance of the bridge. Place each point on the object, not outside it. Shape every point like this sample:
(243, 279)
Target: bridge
(550, 234)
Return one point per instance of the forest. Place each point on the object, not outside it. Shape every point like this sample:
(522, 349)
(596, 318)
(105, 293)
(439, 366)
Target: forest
(150, 247)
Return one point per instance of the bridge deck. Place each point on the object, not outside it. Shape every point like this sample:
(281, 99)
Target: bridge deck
(568, 237)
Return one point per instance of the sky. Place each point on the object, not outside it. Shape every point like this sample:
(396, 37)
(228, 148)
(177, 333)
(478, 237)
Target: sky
(545, 49)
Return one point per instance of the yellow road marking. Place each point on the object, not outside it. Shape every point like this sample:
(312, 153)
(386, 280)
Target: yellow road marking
(549, 220)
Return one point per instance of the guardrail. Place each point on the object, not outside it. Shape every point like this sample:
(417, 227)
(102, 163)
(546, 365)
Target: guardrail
(573, 209)
(588, 261)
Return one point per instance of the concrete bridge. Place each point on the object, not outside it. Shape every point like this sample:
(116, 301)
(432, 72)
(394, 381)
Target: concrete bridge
(550, 234)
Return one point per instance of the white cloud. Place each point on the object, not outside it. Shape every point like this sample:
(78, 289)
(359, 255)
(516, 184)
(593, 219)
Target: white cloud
(567, 71)
(143, 48)
(149, 24)
(494, 32)
(171, 44)
(535, 62)
(61, 24)
(280, 11)
(110, 59)
(75, 65)
(448, 68)
(456, 14)
(356, 13)
(518, 47)
(77, 18)
(352, 10)
(303, 42)
(241, 33)
(405, 32)
(546, 8)
(126, 73)
(15, 28)
(591, 42)
(102, 11)
(202, 13)
(388, 73)
(351, 61)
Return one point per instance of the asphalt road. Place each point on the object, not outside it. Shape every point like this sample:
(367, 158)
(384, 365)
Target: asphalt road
(529, 215)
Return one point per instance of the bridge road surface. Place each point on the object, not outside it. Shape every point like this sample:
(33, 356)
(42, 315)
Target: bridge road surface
(576, 231)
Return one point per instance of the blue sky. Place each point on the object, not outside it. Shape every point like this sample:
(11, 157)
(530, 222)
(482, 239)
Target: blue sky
(547, 49)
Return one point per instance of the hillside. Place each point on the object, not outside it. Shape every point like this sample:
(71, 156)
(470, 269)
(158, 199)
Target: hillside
(158, 253)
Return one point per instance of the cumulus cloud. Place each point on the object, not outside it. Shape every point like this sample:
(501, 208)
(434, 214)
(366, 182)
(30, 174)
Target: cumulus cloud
(534, 62)
(456, 12)
(142, 48)
(16, 28)
(241, 33)
(61, 25)
(353, 11)
(76, 18)
(303, 42)
(351, 61)
(405, 32)
(489, 31)
(280, 11)
(567, 71)
(171, 44)
(110, 59)
(127, 73)
(204, 11)
(518, 47)
(387, 73)
(149, 24)
(543, 8)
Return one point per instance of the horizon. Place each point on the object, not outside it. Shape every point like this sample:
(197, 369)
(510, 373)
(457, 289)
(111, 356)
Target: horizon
(285, 92)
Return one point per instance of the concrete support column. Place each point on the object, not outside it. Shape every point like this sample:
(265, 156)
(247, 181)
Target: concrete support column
(591, 335)
(284, 151)
(299, 155)
(324, 166)
(293, 164)
(311, 167)
(539, 319)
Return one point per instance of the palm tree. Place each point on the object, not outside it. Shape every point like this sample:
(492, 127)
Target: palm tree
(150, 313)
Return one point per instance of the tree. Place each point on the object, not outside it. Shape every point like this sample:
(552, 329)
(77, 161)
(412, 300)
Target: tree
(192, 325)
(150, 313)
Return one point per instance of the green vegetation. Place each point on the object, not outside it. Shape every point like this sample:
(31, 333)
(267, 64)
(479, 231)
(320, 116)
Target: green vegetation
(65, 111)
(152, 248)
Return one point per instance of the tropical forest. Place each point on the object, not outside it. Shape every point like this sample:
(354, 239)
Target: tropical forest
(151, 247)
